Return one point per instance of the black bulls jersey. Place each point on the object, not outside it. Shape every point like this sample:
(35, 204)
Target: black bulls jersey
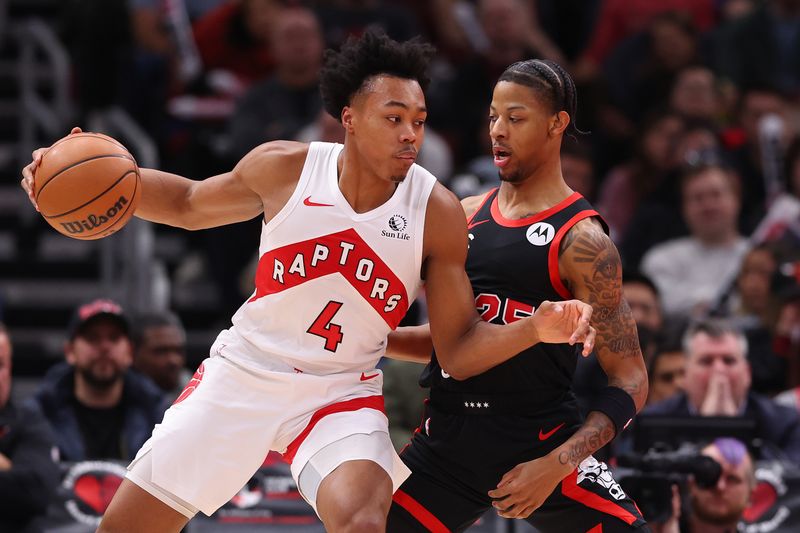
(513, 267)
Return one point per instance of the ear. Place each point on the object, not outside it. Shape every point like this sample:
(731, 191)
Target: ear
(347, 119)
(68, 353)
(559, 123)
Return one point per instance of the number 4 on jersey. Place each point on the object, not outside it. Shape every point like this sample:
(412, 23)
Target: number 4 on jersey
(322, 326)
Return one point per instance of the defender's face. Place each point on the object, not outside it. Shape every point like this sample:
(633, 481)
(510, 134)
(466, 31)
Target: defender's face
(518, 126)
(387, 124)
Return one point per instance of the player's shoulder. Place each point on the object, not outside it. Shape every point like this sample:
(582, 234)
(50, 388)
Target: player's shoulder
(443, 201)
(273, 161)
(471, 204)
(277, 153)
(586, 234)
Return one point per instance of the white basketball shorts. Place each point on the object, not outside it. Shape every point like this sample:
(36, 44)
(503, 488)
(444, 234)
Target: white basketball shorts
(218, 432)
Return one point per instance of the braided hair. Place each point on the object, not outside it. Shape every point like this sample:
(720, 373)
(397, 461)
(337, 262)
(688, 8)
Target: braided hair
(550, 81)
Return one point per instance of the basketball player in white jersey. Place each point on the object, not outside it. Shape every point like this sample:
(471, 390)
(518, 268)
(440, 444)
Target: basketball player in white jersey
(350, 232)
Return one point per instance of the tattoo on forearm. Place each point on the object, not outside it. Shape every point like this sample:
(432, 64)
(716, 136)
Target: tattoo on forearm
(634, 388)
(597, 431)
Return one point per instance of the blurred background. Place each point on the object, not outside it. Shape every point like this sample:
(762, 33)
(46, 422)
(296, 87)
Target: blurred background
(691, 114)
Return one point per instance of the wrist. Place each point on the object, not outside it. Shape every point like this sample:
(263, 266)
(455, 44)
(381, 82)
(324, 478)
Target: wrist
(564, 457)
(533, 331)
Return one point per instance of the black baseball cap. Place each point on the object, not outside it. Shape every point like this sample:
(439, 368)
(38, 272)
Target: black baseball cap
(100, 308)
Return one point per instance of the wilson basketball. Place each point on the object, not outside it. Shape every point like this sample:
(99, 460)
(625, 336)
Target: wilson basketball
(87, 186)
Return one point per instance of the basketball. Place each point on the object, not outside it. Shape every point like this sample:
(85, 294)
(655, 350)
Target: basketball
(87, 186)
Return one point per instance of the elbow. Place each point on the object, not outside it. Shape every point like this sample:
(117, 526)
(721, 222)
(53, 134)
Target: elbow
(456, 371)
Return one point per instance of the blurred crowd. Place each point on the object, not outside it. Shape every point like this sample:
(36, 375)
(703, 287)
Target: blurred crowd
(689, 113)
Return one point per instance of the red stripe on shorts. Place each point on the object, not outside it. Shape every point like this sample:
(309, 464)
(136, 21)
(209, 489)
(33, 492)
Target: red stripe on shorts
(367, 402)
(416, 510)
(570, 489)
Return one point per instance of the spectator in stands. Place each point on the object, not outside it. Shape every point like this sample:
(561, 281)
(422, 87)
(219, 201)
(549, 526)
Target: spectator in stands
(577, 168)
(641, 70)
(644, 300)
(786, 343)
(159, 351)
(717, 383)
(343, 18)
(629, 183)
(694, 94)
(720, 508)
(753, 307)
(28, 473)
(280, 106)
(691, 271)
(98, 408)
(761, 47)
(619, 19)
(666, 372)
(658, 215)
(744, 147)
(235, 37)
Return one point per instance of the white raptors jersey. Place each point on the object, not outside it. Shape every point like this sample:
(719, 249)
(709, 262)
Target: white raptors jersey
(331, 283)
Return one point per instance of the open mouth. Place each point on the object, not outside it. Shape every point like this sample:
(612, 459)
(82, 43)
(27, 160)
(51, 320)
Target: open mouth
(501, 156)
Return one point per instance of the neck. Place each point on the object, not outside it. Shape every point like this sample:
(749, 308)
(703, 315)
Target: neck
(540, 190)
(97, 398)
(698, 525)
(363, 189)
(719, 240)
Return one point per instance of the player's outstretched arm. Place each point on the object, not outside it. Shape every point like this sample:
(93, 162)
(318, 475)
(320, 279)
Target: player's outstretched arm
(227, 198)
(590, 267)
(556, 322)
(466, 345)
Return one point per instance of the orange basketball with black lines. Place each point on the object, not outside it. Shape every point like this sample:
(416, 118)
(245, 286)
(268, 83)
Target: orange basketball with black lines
(87, 186)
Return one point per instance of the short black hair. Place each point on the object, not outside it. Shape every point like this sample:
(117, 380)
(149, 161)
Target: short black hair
(635, 276)
(154, 319)
(344, 72)
(550, 80)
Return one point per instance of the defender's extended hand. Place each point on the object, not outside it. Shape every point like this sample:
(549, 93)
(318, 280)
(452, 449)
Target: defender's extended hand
(567, 321)
(525, 487)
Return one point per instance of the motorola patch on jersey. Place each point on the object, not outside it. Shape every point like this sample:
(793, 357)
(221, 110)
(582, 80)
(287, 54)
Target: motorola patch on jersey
(540, 234)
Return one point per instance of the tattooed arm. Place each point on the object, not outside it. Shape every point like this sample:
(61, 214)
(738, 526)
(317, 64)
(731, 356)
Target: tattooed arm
(590, 268)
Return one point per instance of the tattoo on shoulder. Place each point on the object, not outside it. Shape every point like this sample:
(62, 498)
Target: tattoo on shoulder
(599, 269)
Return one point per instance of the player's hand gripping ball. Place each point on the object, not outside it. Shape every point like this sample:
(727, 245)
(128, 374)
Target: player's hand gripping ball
(87, 186)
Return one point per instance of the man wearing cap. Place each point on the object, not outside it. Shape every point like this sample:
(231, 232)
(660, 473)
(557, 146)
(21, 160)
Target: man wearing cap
(99, 409)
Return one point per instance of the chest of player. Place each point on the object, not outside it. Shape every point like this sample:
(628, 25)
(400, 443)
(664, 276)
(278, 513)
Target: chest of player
(513, 264)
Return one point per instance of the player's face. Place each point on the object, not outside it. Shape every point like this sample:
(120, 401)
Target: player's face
(387, 124)
(521, 128)
(101, 353)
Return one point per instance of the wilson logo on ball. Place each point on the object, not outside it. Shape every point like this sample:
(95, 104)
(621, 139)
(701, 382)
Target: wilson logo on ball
(93, 221)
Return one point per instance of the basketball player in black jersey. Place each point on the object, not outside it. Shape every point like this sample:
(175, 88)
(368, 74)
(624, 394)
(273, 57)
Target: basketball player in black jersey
(512, 437)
